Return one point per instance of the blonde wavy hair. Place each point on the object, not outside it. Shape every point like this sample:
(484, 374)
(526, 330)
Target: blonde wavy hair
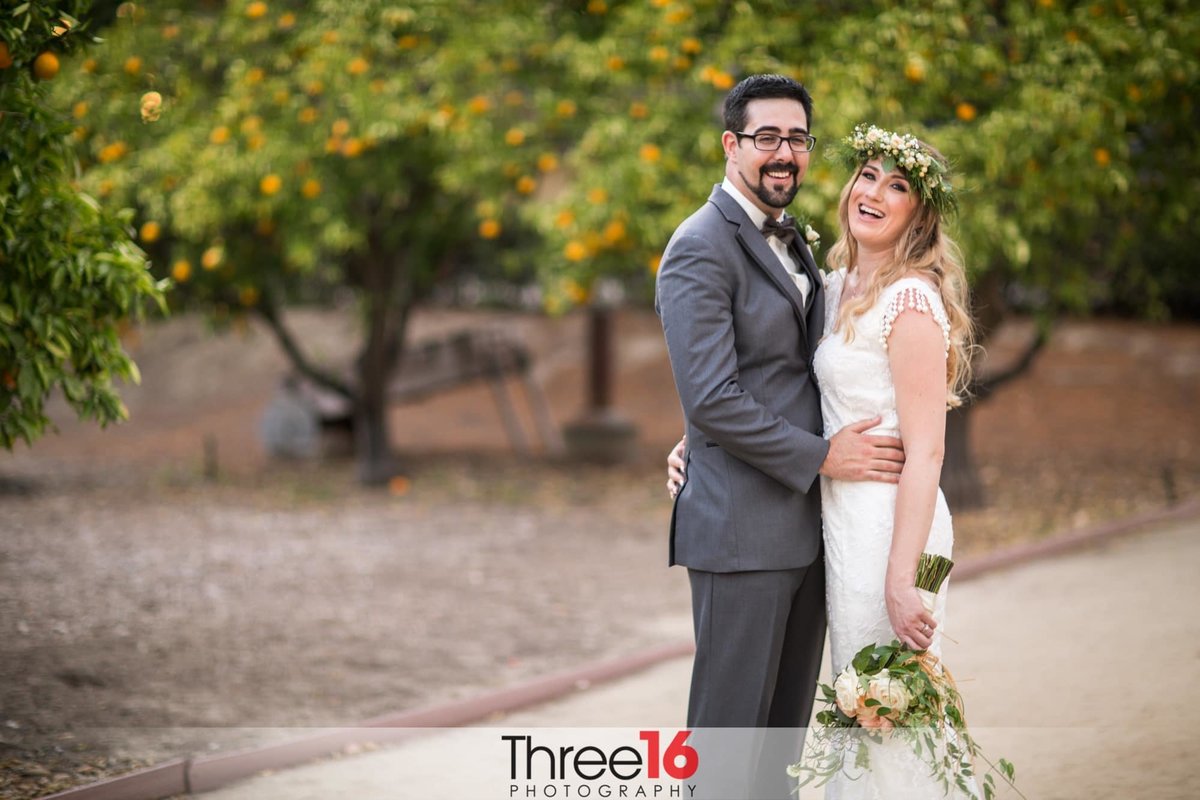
(924, 250)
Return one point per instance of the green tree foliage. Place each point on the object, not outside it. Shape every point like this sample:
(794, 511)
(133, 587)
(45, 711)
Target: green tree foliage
(291, 148)
(1071, 126)
(69, 273)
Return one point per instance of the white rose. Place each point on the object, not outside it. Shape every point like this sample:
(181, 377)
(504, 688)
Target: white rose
(890, 692)
(847, 690)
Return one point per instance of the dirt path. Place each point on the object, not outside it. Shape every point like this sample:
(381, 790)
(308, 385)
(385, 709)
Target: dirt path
(1019, 634)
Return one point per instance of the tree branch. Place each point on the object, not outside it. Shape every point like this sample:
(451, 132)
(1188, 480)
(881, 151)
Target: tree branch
(983, 386)
(270, 313)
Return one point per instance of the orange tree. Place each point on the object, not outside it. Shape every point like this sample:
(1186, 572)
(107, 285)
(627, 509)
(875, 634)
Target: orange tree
(303, 146)
(69, 271)
(1071, 125)
(275, 151)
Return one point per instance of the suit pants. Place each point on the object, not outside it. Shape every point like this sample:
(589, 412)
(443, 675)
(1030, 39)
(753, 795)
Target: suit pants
(759, 641)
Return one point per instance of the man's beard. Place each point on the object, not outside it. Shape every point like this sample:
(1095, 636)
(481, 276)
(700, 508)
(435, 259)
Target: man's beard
(772, 198)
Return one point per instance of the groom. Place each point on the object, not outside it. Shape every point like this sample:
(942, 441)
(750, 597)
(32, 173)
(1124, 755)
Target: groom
(742, 308)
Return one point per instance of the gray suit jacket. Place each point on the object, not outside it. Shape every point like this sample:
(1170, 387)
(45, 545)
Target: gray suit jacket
(741, 344)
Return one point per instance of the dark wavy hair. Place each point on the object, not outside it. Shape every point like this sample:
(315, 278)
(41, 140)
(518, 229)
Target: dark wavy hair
(757, 87)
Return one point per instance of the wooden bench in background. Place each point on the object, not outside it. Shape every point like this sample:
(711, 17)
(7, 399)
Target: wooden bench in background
(427, 368)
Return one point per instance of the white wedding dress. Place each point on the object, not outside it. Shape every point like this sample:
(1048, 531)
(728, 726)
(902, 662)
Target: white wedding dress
(856, 384)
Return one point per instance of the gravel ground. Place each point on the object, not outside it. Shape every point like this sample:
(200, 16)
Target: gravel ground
(217, 609)
(147, 613)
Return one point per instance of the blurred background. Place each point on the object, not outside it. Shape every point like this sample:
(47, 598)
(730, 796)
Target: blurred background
(330, 382)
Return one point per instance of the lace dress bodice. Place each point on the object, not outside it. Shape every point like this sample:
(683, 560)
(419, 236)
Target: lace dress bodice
(855, 376)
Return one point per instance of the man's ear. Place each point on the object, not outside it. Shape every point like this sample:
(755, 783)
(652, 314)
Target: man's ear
(729, 143)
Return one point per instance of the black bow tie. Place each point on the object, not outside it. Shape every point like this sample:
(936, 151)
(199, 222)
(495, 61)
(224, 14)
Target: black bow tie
(786, 231)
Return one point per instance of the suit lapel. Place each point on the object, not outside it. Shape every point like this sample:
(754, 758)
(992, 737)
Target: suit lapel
(753, 243)
(816, 300)
(805, 260)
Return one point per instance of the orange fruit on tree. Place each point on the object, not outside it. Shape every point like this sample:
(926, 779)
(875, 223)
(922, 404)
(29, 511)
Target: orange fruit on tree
(575, 251)
(5, 56)
(45, 66)
(212, 257)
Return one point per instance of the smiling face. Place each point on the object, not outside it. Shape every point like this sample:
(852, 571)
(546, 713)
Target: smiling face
(770, 180)
(881, 205)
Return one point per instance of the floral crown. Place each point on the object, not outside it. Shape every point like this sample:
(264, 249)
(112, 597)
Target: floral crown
(926, 173)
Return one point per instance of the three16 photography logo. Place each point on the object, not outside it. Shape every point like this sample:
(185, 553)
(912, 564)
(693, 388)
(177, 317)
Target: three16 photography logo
(603, 763)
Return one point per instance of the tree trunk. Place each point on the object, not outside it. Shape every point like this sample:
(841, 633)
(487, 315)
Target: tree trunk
(603, 434)
(960, 477)
(372, 448)
(386, 315)
(372, 444)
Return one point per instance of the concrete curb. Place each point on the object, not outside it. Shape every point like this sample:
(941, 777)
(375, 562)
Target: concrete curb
(183, 776)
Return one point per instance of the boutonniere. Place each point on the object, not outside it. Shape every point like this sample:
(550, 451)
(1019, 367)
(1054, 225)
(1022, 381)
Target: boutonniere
(812, 237)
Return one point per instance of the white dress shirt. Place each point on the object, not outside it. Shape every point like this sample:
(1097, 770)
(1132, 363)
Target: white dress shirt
(774, 242)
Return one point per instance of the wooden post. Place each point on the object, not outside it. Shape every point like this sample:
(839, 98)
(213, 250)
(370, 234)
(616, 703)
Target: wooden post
(602, 434)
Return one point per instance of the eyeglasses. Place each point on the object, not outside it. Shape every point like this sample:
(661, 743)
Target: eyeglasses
(770, 142)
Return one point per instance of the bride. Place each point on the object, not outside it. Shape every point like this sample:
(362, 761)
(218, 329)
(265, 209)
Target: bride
(896, 345)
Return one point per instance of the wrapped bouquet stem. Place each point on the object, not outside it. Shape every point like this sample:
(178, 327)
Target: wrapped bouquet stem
(932, 572)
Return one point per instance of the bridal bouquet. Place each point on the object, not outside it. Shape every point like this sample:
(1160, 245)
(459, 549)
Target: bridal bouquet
(896, 692)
